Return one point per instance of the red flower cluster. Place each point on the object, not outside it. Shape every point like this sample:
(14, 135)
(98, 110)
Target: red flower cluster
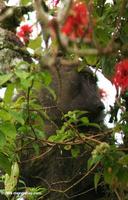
(120, 78)
(24, 33)
(77, 22)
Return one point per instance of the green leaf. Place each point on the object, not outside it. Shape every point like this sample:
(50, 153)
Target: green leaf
(97, 177)
(100, 6)
(52, 138)
(90, 163)
(4, 115)
(85, 121)
(91, 60)
(8, 129)
(123, 175)
(15, 170)
(67, 147)
(95, 125)
(22, 65)
(102, 35)
(26, 83)
(34, 44)
(4, 163)
(75, 152)
(94, 160)
(17, 116)
(9, 93)
(124, 35)
(123, 160)
(108, 177)
(5, 78)
(108, 64)
(36, 148)
(25, 78)
(22, 74)
(25, 2)
(62, 135)
(45, 77)
(38, 129)
(2, 140)
(35, 192)
(12, 179)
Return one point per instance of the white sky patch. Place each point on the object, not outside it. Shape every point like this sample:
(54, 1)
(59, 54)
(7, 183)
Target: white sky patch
(119, 138)
(109, 99)
(2, 91)
(109, 1)
(107, 86)
(13, 2)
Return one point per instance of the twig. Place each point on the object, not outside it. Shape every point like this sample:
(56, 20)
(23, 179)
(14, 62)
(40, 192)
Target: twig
(117, 194)
(63, 12)
(42, 16)
(82, 193)
(38, 157)
(83, 177)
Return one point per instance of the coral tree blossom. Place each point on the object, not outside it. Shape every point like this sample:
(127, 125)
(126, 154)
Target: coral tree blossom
(24, 33)
(120, 78)
(77, 22)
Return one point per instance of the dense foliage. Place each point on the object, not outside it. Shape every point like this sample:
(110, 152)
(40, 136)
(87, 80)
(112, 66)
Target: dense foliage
(87, 33)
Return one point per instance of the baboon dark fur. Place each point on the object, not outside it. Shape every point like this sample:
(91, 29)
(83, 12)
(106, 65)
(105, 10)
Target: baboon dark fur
(57, 170)
(75, 91)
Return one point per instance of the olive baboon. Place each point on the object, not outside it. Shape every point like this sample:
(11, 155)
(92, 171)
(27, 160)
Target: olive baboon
(58, 171)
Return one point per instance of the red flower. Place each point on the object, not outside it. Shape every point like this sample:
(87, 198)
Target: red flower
(77, 22)
(24, 33)
(120, 78)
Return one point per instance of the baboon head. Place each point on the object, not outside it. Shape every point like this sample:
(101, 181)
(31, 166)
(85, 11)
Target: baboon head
(75, 91)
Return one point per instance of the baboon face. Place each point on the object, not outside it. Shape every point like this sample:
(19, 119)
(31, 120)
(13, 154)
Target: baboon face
(79, 92)
(75, 91)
